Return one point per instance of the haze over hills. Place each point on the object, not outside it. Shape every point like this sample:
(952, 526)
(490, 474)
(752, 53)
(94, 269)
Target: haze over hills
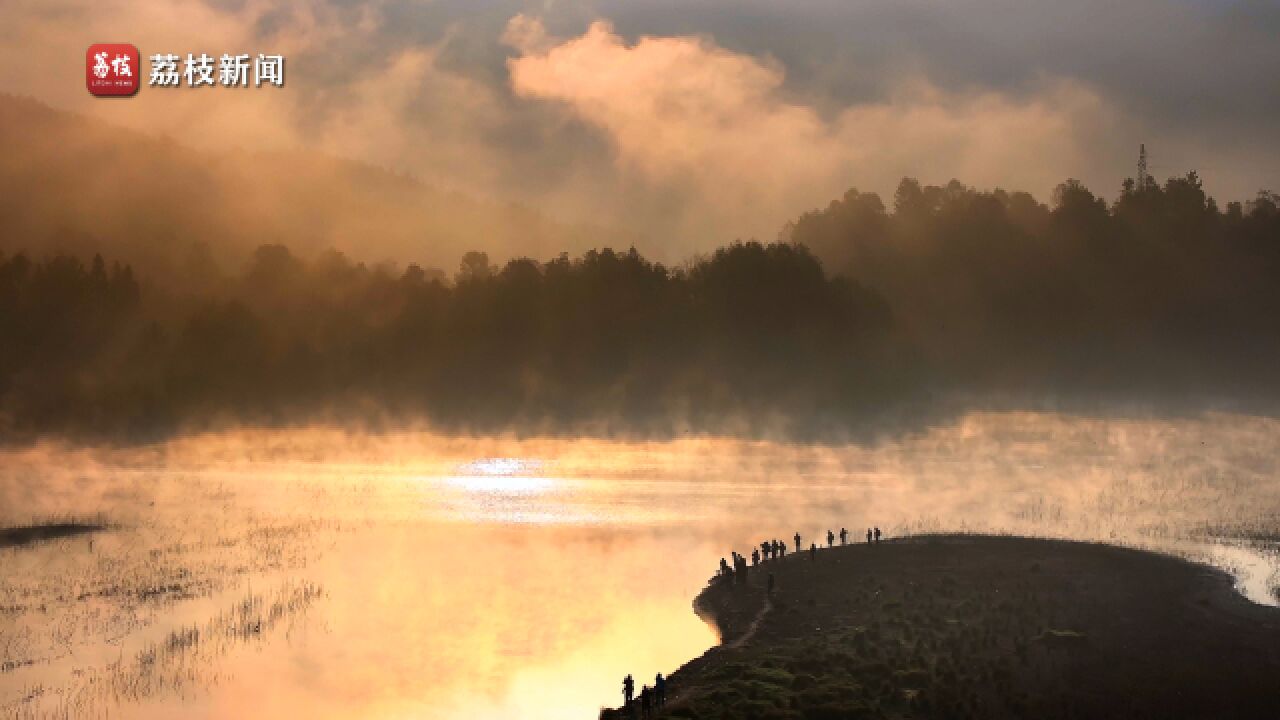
(146, 288)
(1160, 294)
(74, 184)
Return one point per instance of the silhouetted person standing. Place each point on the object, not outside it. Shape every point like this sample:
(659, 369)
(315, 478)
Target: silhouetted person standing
(868, 536)
(797, 542)
(755, 557)
(844, 536)
(628, 690)
(660, 690)
(813, 551)
(831, 538)
(877, 535)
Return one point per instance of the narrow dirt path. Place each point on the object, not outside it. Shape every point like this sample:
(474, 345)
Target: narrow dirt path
(679, 698)
(755, 623)
(682, 695)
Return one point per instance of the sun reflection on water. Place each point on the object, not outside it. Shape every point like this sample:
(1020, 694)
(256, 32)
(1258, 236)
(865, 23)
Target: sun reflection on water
(495, 577)
(502, 484)
(501, 466)
(501, 476)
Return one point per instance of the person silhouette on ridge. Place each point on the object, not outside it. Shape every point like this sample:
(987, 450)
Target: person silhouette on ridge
(868, 536)
(628, 690)
(831, 538)
(797, 541)
(844, 536)
(877, 535)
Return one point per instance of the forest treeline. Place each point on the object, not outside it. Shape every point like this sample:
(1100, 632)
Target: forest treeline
(607, 342)
(1160, 296)
(862, 318)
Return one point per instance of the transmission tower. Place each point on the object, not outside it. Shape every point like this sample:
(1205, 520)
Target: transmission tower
(1142, 166)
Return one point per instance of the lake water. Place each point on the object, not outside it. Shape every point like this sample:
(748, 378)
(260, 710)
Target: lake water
(323, 573)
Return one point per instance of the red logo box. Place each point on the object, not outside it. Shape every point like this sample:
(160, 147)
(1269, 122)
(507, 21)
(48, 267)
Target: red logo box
(112, 69)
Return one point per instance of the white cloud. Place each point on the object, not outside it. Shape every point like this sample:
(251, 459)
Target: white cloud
(684, 112)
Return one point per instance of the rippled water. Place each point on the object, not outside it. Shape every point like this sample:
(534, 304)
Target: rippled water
(323, 573)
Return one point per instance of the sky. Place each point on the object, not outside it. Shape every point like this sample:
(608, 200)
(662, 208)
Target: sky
(698, 122)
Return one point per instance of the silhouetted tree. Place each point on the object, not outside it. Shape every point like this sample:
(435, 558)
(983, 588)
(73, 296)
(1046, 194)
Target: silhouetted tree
(858, 317)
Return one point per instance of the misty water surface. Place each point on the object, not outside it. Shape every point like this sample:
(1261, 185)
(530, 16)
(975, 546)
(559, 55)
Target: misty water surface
(326, 573)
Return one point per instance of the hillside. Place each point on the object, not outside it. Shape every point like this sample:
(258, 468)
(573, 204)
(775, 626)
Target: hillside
(72, 184)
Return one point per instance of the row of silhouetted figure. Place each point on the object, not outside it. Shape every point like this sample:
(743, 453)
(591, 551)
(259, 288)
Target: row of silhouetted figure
(651, 699)
(776, 549)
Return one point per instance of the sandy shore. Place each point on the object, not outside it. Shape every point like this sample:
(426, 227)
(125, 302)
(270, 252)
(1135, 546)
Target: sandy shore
(981, 627)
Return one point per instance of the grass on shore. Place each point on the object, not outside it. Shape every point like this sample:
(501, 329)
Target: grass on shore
(50, 529)
(981, 627)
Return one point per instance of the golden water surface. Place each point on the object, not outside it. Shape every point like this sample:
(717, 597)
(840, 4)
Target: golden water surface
(329, 573)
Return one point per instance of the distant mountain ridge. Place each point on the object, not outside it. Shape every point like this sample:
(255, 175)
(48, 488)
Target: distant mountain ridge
(70, 183)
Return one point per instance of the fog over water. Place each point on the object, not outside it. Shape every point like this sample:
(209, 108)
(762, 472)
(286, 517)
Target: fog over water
(322, 572)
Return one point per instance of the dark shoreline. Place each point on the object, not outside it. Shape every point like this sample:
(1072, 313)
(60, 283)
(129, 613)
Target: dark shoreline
(954, 626)
(29, 534)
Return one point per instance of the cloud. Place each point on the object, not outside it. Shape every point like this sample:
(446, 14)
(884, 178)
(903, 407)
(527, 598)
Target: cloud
(348, 93)
(413, 117)
(692, 124)
(685, 112)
